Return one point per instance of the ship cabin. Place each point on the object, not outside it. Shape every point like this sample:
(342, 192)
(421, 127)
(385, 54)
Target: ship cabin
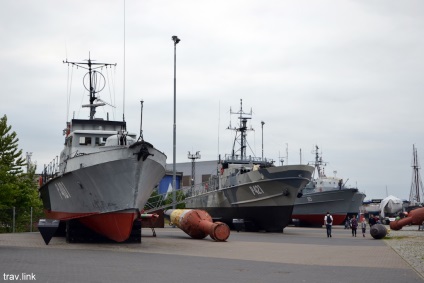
(325, 183)
(87, 136)
(234, 164)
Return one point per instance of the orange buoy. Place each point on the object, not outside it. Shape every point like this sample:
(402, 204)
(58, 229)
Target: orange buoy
(198, 224)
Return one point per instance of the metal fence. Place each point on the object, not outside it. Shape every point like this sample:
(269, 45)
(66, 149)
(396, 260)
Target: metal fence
(17, 219)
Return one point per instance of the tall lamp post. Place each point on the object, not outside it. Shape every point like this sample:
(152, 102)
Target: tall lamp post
(175, 39)
(262, 123)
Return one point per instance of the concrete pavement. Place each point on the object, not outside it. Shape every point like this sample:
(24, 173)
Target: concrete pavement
(297, 255)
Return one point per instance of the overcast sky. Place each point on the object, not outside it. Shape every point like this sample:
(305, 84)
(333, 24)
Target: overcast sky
(344, 75)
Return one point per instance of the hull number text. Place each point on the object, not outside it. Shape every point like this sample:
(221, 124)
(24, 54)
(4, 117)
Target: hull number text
(256, 190)
(62, 190)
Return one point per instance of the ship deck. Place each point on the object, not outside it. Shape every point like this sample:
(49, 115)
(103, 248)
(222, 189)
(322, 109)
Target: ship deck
(297, 255)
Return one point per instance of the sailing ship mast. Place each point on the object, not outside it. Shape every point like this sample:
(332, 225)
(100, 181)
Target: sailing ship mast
(416, 185)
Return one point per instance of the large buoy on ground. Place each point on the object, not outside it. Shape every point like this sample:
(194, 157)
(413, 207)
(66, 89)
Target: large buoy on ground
(198, 224)
(415, 217)
(378, 231)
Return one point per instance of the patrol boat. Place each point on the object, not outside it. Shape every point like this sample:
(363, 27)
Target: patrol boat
(105, 175)
(248, 189)
(324, 194)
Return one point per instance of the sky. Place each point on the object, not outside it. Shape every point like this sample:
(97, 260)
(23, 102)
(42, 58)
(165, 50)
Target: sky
(344, 75)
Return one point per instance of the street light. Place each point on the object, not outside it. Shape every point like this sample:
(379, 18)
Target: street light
(175, 39)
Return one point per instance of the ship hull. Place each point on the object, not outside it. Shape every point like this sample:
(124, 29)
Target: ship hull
(263, 199)
(356, 203)
(107, 194)
(310, 209)
(116, 226)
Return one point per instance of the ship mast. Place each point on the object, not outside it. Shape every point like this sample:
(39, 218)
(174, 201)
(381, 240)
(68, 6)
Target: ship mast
(318, 163)
(416, 185)
(94, 81)
(242, 129)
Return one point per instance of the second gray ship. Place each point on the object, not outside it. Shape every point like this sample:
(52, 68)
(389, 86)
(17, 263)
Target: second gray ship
(324, 194)
(250, 190)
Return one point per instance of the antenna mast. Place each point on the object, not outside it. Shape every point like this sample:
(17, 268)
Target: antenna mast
(94, 81)
(318, 162)
(141, 122)
(243, 117)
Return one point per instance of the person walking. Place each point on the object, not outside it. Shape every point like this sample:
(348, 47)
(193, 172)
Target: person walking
(354, 225)
(363, 227)
(328, 222)
(347, 222)
(372, 220)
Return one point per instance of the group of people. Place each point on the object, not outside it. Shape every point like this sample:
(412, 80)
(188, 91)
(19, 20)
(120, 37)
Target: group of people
(352, 223)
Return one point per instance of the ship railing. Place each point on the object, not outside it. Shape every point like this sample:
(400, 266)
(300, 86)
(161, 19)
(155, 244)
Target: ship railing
(166, 200)
(50, 171)
(202, 188)
(155, 202)
(247, 159)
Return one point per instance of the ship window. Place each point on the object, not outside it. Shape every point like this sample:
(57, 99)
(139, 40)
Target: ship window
(100, 141)
(85, 140)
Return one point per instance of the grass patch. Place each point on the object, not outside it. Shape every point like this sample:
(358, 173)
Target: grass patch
(395, 237)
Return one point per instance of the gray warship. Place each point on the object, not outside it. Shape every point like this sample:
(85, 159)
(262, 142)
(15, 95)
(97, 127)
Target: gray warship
(105, 175)
(250, 190)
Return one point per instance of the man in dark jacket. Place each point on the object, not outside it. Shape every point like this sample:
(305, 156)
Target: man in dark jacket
(328, 222)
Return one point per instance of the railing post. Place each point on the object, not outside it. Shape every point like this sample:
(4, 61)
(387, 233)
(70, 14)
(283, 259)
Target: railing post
(30, 227)
(13, 220)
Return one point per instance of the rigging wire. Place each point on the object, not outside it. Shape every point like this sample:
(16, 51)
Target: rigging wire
(67, 85)
(123, 106)
(70, 86)
(114, 93)
(67, 97)
(111, 81)
(107, 83)
(69, 91)
(219, 124)
(82, 99)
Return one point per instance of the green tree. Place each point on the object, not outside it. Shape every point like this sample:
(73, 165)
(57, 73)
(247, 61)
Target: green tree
(11, 160)
(17, 189)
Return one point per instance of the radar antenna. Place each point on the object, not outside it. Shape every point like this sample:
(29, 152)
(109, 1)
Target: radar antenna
(95, 80)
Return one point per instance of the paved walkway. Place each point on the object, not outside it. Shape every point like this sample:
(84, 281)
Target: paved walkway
(297, 255)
